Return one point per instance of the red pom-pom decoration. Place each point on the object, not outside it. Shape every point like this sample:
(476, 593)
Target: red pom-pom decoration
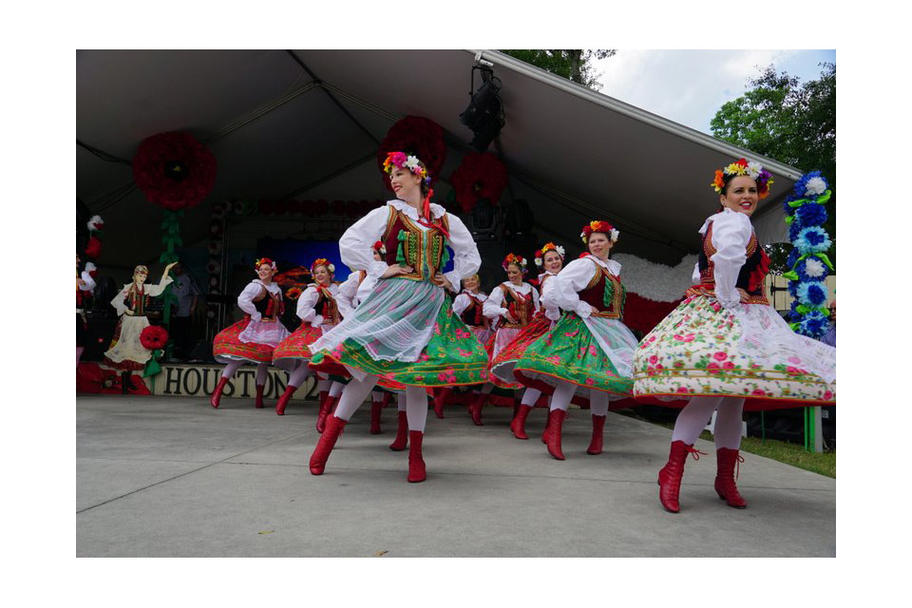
(153, 337)
(478, 176)
(174, 170)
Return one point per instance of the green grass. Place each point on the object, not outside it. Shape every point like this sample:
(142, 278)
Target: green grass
(782, 451)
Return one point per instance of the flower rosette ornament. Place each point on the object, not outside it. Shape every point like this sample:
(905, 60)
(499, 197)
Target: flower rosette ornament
(599, 226)
(420, 136)
(478, 176)
(293, 293)
(808, 261)
(154, 338)
(518, 260)
(174, 170)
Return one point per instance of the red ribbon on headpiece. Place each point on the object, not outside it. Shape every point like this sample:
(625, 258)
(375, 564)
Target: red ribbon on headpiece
(426, 215)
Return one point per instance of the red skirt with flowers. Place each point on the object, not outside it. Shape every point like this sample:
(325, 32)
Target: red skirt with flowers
(502, 365)
(227, 347)
(496, 344)
(296, 347)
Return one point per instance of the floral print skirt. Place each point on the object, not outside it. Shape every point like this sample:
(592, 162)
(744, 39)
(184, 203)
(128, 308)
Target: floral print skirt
(227, 345)
(702, 349)
(571, 352)
(296, 347)
(501, 370)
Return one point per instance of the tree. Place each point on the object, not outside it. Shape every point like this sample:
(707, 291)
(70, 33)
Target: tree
(571, 64)
(792, 122)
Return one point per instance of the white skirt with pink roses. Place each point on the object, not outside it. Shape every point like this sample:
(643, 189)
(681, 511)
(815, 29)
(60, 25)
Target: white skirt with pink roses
(702, 349)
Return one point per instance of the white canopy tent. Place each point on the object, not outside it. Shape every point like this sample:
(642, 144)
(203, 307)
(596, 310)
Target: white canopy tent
(308, 124)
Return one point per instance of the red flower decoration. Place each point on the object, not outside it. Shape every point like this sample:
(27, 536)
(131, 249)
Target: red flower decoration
(174, 170)
(153, 337)
(416, 135)
(478, 176)
(758, 275)
(93, 248)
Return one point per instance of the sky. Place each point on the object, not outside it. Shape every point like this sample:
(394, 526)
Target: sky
(690, 86)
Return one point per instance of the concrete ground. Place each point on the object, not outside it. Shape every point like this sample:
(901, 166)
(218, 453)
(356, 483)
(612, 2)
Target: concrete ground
(172, 477)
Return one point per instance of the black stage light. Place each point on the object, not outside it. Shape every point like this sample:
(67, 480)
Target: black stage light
(483, 220)
(484, 114)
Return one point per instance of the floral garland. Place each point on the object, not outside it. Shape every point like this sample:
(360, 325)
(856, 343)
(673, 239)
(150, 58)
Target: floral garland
(379, 247)
(478, 176)
(422, 136)
(540, 254)
(599, 226)
(810, 266)
(269, 262)
(174, 170)
(512, 258)
(751, 169)
(409, 162)
(323, 262)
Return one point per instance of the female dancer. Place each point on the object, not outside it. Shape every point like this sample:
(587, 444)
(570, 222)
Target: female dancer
(404, 330)
(551, 258)
(352, 292)
(318, 310)
(468, 306)
(589, 348)
(126, 351)
(84, 284)
(253, 338)
(725, 341)
(511, 305)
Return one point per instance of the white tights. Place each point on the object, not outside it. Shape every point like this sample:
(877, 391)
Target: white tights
(563, 393)
(416, 403)
(696, 414)
(261, 371)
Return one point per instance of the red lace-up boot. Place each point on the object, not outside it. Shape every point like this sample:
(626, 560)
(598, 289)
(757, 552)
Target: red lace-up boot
(402, 434)
(440, 400)
(554, 434)
(416, 461)
(258, 402)
(217, 393)
(518, 425)
(283, 400)
(670, 475)
(726, 461)
(334, 427)
(598, 426)
(376, 407)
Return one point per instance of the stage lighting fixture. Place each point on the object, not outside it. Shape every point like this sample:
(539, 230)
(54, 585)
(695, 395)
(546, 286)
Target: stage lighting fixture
(484, 114)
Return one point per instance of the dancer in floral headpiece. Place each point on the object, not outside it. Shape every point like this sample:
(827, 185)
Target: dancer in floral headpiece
(319, 313)
(551, 259)
(404, 330)
(589, 349)
(510, 307)
(468, 305)
(85, 283)
(253, 338)
(724, 342)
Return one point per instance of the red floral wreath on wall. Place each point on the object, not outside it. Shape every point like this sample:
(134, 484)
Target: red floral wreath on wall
(174, 170)
(417, 135)
(478, 176)
(153, 337)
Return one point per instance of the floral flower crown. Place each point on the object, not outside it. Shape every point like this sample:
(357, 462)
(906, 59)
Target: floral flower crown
(744, 167)
(261, 261)
(379, 247)
(410, 162)
(540, 254)
(599, 226)
(512, 258)
(322, 262)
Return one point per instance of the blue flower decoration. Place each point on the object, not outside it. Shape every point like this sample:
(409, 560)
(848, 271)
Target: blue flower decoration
(812, 239)
(818, 270)
(793, 289)
(812, 293)
(792, 256)
(801, 184)
(811, 214)
(814, 325)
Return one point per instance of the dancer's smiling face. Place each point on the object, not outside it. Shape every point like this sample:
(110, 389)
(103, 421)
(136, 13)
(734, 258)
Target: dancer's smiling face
(740, 195)
(322, 275)
(600, 245)
(514, 274)
(552, 262)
